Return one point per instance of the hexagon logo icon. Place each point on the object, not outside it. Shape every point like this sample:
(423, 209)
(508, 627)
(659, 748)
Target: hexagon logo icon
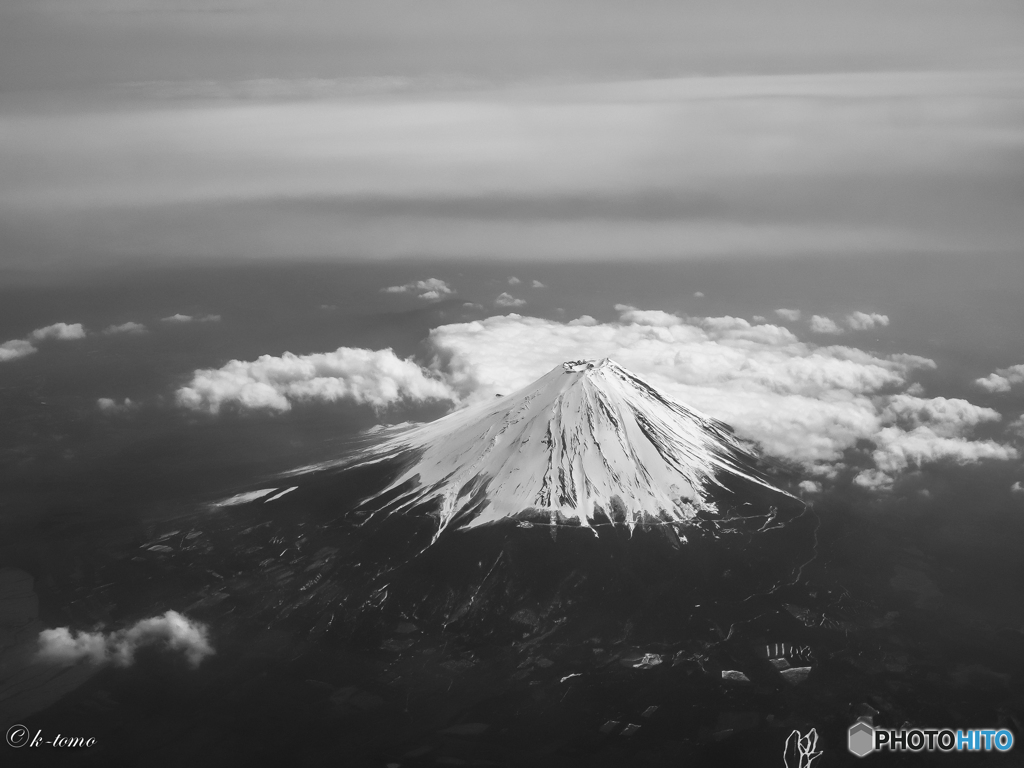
(861, 739)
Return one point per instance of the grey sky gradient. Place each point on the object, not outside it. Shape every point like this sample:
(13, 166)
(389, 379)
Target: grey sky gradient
(147, 129)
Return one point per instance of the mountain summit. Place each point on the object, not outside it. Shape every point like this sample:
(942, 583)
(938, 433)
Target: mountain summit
(588, 440)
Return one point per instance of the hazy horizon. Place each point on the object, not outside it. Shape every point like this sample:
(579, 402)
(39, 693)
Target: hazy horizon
(139, 130)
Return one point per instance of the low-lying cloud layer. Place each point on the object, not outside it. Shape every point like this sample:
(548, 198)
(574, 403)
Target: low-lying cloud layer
(373, 377)
(802, 402)
(172, 631)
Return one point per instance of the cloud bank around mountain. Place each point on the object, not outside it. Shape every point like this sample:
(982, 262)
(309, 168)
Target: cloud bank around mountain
(827, 407)
(378, 378)
(172, 631)
(802, 402)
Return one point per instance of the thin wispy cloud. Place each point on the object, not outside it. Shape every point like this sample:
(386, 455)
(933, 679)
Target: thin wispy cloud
(129, 327)
(792, 315)
(180, 318)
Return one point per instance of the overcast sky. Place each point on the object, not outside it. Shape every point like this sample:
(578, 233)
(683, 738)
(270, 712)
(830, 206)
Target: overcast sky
(149, 129)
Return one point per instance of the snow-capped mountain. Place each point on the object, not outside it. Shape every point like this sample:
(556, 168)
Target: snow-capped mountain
(587, 440)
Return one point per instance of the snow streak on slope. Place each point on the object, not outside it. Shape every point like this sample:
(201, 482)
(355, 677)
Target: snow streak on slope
(587, 434)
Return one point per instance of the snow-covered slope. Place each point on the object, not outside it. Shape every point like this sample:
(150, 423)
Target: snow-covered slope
(584, 434)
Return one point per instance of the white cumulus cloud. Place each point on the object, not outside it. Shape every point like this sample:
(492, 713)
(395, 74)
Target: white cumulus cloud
(1002, 379)
(802, 402)
(897, 449)
(822, 324)
(430, 289)
(873, 480)
(508, 300)
(792, 315)
(1017, 489)
(62, 331)
(129, 327)
(14, 349)
(538, 284)
(374, 377)
(864, 321)
(946, 416)
(514, 281)
(172, 631)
